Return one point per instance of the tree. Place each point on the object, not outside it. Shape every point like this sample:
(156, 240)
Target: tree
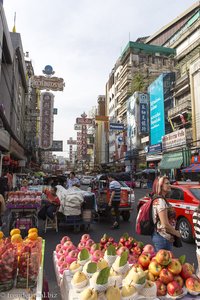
(138, 84)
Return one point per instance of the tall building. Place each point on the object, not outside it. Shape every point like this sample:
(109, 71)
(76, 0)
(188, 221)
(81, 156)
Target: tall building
(138, 65)
(183, 34)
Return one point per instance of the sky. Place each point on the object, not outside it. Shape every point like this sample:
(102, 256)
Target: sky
(82, 40)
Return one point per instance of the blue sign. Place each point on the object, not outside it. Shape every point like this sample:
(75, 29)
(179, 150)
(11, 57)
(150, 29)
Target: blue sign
(157, 119)
(116, 126)
(155, 148)
(143, 118)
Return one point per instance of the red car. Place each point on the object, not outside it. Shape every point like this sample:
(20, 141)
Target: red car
(184, 197)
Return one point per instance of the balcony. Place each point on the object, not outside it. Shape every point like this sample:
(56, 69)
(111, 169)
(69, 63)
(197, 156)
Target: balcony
(126, 92)
(183, 105)
(125, 81)
(126, 68)
(122, 109)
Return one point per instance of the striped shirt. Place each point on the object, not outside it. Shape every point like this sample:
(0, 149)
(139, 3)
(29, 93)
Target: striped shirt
(196, 222)
(116, 187)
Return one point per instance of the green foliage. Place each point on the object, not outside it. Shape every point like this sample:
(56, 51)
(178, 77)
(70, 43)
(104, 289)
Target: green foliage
(138, 84)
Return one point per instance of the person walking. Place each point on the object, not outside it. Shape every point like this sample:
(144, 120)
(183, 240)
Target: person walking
(164, 216)
(72, 181)
(196, 222)
(50, 205)
(114, 201)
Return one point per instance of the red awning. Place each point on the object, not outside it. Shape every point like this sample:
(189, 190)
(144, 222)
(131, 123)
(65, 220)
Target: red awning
(193, 168)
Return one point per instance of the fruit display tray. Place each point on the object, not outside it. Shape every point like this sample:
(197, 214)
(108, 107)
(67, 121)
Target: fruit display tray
(23, 294)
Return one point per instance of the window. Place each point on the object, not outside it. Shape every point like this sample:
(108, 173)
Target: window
(176, 194)
(196, 193)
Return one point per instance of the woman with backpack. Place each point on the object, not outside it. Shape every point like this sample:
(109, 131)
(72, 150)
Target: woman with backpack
(164, 216)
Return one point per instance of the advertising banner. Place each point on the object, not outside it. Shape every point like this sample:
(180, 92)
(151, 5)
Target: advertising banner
(46, 120)
(174, 139)
(157, 118)
(57, 146)
(48, 83)
(81, 121)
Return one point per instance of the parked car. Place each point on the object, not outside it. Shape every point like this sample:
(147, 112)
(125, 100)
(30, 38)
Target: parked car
(87, 180)
(184, 197)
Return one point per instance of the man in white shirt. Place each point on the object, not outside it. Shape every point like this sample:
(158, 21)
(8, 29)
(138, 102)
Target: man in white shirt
(72, 181)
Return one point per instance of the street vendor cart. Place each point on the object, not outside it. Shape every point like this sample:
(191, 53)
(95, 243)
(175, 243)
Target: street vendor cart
(77, 208)
(23, 209)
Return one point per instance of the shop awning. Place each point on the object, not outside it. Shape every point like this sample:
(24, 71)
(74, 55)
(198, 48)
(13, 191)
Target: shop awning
(171, 160)
(192, 168)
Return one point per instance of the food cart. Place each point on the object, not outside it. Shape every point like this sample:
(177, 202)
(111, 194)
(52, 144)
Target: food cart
(23, 208)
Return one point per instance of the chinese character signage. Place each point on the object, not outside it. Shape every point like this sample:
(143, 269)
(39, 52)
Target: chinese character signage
(46, 120)
(144, 114)
(57, 146)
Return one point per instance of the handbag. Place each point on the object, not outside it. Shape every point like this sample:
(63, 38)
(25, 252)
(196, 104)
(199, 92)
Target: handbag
(177, 242)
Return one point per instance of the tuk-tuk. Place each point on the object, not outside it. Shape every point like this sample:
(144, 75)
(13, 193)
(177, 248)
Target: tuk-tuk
(100, 186)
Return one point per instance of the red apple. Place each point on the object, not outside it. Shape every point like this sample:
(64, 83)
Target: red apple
(72, 256)
(64, 239)
(89, 243)
(85, 237)
(144, 260)
(121, 250)
(175, 266)
(179, 279)
(149, 249)
(81, 246)
(104, 239)
(94, 247)
(122, 240)
(97, 255)
(58, 247)
(187, 270)
(132, 259)
(67, 244)
(163, 257)
(111, 239)
(155, 268)
(193, 284)
(166, 276)
(63, 267)
(174, 289)
(137, 250)
(161, 288)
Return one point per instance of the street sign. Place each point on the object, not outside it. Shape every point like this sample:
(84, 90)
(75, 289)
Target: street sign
(83, 121)
(77, 127)
(116, 126)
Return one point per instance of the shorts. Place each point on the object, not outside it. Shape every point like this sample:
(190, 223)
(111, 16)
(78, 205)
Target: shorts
(160, 242)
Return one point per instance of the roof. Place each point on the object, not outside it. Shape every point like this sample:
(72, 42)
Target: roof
(146, 48)
(170, 24)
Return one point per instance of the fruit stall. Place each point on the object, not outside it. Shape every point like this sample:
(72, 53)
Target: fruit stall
(125, 269)
(21, 267)
(23, 208)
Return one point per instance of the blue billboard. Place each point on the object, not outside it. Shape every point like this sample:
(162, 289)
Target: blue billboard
(157, 119)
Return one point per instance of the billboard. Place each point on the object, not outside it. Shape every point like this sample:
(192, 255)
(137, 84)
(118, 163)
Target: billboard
(157, 118)
(57, 146)
(46, 120)
(116, 126)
